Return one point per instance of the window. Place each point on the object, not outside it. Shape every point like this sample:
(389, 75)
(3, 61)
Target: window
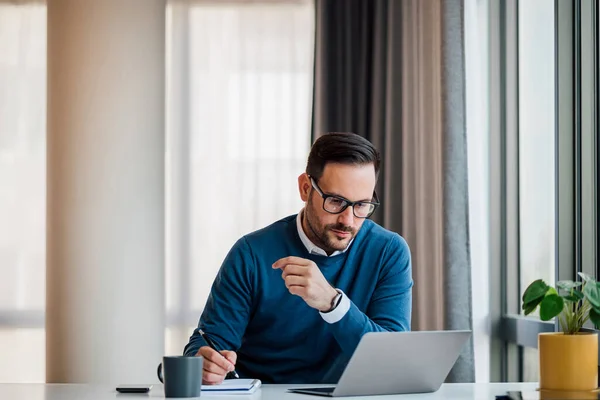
(536, 141)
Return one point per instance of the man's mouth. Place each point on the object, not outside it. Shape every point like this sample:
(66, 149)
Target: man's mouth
(340, 233)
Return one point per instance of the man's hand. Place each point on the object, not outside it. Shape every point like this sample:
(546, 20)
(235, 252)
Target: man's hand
(303, 278)
(215, 365)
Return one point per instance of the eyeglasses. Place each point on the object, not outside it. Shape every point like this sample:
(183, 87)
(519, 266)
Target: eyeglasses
(337, 204)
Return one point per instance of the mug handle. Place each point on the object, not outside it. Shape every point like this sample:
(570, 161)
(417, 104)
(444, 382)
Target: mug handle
(159, 373)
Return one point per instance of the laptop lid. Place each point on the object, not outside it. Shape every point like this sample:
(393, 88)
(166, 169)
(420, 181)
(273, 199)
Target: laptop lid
(401, 362)
(397, 363)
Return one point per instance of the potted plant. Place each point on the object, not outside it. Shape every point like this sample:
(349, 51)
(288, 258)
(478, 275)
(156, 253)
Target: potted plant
(569, 358)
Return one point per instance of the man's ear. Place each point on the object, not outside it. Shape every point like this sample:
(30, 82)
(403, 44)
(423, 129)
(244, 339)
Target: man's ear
(304, 187)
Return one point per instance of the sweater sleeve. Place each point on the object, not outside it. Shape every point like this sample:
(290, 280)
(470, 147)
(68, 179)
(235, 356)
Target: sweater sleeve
(391, 303)
(228, 307)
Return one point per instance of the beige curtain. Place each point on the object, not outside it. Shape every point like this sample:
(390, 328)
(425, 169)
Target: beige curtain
(393, 71)
(422, 166)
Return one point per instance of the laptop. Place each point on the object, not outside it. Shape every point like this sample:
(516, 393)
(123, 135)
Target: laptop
(397, 363)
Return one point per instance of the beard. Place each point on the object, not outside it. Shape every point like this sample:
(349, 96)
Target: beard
(322, 235)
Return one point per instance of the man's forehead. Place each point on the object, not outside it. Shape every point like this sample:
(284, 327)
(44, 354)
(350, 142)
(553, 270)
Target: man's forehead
(355, 182)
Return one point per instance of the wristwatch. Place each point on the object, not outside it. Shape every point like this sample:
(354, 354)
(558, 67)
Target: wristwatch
(335, 302)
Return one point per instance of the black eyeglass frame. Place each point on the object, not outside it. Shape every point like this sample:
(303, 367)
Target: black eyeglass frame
(343, 199)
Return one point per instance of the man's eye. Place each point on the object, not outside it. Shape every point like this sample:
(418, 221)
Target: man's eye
(361, 206)
(336, 202)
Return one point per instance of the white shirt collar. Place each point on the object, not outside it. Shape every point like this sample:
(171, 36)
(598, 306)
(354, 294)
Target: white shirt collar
(310, 246)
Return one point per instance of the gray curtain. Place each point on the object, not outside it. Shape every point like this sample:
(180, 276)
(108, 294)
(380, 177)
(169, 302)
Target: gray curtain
(393, 71)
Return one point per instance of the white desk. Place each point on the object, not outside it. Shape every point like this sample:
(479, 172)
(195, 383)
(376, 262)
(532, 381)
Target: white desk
(450, 391)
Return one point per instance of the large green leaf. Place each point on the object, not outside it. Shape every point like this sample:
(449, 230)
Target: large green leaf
(536, 290)
(595, 317)
(591, 290)
(567, 285)
(551, 306)
(530, 307)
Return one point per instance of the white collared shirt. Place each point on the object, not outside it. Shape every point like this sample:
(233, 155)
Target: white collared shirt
(344, 305)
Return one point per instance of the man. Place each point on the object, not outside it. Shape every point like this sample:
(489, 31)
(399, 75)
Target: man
(292, 300)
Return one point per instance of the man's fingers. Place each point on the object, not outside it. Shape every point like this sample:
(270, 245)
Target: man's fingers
(209, 378)
(210, 366)
(292, 269)
(295, 280)
(282, 262)
(216, 357)
(230, 355)
(297, 290)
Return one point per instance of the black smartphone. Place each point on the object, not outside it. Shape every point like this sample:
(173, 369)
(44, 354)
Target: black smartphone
(126, 388)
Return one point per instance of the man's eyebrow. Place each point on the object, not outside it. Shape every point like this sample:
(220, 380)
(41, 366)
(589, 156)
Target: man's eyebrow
(347, 199)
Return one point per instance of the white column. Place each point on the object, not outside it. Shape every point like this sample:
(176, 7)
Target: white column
(105, 263)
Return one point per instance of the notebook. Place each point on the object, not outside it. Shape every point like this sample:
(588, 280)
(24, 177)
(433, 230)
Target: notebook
(233, 386)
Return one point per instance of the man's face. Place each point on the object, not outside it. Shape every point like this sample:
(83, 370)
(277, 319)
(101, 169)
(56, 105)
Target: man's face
(328, 231)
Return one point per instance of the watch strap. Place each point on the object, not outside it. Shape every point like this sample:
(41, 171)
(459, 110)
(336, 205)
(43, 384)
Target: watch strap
(336, 301)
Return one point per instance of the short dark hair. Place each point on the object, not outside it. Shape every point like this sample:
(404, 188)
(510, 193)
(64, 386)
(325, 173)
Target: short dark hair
(342, 148)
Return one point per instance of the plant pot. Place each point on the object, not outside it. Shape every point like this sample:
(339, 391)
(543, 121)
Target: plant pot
(568, 362)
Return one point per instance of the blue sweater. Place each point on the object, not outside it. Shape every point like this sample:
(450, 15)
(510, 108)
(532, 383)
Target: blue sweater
(277, 336)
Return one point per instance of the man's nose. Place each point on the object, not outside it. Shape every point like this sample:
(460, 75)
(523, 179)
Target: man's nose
(346, 217)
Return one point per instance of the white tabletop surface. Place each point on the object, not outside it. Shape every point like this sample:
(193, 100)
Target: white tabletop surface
(449, 391)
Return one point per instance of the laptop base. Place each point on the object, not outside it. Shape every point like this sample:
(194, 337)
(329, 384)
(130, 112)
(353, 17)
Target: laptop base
(318, 391)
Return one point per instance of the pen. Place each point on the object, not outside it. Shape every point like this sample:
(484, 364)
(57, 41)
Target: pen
(213, 346)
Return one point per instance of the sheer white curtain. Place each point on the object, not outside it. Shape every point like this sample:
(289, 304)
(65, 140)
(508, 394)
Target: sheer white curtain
(238, 132)
(22, 190)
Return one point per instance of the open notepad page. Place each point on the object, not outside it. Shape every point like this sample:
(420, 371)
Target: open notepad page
(230, 386)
